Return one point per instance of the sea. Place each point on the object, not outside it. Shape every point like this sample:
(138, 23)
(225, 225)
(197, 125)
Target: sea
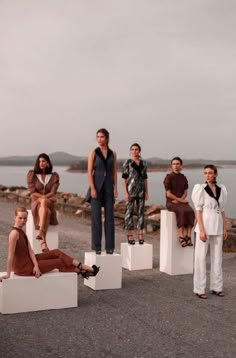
(78, 183)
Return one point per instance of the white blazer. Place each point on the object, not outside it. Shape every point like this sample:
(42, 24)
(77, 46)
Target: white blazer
(211, 210)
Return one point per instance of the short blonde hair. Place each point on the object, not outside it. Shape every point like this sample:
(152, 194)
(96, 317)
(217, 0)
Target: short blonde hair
(20, 209)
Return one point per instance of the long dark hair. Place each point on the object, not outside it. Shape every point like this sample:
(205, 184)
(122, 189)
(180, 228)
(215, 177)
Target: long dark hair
(49, 168)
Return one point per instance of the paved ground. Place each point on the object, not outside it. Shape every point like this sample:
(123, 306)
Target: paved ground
(153, 315)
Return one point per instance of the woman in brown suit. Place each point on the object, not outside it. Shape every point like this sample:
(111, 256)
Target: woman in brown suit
(23, 262)
(43, 184)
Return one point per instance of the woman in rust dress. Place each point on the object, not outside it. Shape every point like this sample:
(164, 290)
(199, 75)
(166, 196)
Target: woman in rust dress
(43, 184)
(23, 262)
(176, 186)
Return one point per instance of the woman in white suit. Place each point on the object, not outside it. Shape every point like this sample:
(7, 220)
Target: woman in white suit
(209, 200)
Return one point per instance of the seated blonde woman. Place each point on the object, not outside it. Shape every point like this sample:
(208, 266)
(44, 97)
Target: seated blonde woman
(23, 262)
(43, 184)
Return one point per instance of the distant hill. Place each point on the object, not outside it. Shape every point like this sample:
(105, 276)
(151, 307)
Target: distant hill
(80, 162)
(57, 158)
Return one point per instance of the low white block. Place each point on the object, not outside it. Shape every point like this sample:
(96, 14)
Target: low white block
(52, 235)
(52, 290)
(110, 273)
(174, 259)
(136, 257)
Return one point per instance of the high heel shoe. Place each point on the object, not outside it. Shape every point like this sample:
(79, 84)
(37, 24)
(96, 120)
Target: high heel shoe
(40, 235)
(130, 241)
(44, 246)
(85, 273)
(141, 240)
(188, 241)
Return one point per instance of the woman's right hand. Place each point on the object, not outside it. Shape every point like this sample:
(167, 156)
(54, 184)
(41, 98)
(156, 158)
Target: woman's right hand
(203, 236)
(126, 196)
(4, 277)
(93, 193)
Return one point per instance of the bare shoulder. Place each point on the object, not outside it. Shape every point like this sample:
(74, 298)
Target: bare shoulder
(91, 154)
(14, 235)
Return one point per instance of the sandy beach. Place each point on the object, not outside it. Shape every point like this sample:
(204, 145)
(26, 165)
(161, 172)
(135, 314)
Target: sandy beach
(153, 315)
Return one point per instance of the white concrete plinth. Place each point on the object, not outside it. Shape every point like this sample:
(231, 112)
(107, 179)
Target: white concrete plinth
(136, 257)
(174, 259)
(52, 290)
(110, 274)
(52, 235)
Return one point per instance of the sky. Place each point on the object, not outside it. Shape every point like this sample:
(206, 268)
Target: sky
(160, 73)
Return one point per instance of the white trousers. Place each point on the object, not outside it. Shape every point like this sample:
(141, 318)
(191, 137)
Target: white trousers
(200, 254)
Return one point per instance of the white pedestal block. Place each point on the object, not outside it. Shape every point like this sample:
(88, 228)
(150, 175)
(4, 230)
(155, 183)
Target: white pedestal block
(110, 274)
(174, 259)
(52, 290)
(52, 235)
(136, 257)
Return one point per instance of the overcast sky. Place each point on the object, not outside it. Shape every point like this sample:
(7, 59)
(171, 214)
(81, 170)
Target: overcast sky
(160, 73)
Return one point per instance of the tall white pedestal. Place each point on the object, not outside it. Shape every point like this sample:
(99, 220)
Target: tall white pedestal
(52, 290)
(136, 257)
(52, 235)
(110, 274)
(174, 259)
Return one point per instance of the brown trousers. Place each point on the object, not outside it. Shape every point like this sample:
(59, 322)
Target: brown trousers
(55, 259)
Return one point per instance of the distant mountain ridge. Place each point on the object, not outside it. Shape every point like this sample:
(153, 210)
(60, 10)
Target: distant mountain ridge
(57, 158)
(66, 159)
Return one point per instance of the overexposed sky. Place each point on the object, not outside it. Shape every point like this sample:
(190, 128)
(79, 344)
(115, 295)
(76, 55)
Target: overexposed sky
(160, 73)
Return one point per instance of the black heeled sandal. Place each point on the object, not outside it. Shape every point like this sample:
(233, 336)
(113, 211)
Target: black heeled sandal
(188, 241)
(132, 241)
(218, 293)
(86, 274)
(182, 241)
(140, 240)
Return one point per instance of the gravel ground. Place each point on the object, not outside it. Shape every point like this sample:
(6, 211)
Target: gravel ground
(153, 315)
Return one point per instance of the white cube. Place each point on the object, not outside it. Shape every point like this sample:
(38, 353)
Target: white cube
(110, 274)
(174, 259)
(52, 290)
(136, 257)
(52, 235)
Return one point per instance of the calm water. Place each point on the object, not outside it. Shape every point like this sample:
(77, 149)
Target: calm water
(77, 183)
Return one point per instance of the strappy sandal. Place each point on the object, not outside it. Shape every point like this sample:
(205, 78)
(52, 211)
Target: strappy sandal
(182, 241)
(202, 295)
(141, 241)
(188, 241)
(40, 235)
(44, 246)
(130, 241)
(220, 293)
(85, 273)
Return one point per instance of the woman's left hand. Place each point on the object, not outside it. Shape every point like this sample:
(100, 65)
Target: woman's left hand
(36, 271)
(115, 193)
(225, 235)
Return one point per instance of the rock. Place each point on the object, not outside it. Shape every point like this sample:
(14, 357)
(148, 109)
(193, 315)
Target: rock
(149, 228)
(233, 222)
(120, 207)
(155, 217)
(79, 213)
(229, 245)
(228, 223)
(152, 209)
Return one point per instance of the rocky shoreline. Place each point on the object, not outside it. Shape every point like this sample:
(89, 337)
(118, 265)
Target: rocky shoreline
(72, 204)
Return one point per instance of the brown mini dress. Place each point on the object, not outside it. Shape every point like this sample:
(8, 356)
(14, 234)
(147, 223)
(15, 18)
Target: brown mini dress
(177, 184)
